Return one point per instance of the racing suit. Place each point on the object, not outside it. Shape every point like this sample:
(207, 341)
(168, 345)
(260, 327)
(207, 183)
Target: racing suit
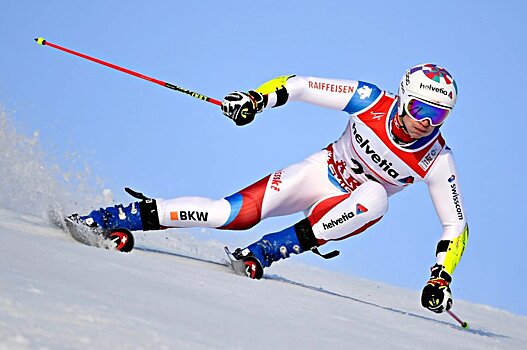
(344, 188)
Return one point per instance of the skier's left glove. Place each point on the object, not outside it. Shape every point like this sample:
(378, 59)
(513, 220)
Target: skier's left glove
(436, 295)
(243, 106)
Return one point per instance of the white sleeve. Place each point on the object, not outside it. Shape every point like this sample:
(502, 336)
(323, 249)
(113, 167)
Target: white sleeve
(323, 92)
(443, 185)
(445, 191)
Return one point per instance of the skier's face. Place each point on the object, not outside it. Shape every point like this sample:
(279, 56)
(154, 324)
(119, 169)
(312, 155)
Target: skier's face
(416, 128)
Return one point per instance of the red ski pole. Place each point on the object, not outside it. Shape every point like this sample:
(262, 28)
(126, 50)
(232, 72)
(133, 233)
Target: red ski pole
(460, 321)
(42, 41)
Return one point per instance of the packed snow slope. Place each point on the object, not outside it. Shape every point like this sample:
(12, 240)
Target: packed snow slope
(56, 293)
(59, 294)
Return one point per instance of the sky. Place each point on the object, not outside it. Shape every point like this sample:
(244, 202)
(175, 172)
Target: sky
(117, 130)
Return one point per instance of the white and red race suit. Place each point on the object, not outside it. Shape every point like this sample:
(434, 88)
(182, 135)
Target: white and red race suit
(344, 188)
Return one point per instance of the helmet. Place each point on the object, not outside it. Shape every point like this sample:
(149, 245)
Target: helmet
(427, 91)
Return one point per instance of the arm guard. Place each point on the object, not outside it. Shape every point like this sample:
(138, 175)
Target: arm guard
(453, 250)
(275, 91)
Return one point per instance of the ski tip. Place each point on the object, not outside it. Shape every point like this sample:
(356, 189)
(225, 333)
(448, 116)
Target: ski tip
(40, 41)
(228, 252)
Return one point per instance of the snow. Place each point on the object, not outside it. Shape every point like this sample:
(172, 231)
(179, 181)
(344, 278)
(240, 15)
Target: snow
(56, 293)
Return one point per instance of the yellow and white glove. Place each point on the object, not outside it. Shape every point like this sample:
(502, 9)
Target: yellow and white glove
(436, 295)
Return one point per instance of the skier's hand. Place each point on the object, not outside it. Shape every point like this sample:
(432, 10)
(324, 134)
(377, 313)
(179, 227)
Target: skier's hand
(243, 106)
(436, 295)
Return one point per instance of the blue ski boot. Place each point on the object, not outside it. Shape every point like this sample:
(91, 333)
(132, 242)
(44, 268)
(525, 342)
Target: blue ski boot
(116, 222)
(276, 246)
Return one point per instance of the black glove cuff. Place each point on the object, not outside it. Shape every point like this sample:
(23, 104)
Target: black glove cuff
(438, 271)
(259, 99)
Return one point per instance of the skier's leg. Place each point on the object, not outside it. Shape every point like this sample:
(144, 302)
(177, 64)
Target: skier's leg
(332, 218)
(344, 216)
(154, 214)
(284, 192)
(243, 208)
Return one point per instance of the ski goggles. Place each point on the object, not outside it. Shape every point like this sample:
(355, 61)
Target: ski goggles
(420, 110)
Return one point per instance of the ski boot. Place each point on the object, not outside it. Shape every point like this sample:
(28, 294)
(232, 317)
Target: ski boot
(273, 247)
(121, 238)
(116, 223)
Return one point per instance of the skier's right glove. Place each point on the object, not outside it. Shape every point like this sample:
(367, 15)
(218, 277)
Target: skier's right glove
(243, 106)
(436, 295)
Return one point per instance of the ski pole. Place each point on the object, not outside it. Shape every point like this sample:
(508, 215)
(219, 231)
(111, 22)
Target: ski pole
(460, 321)
(42, 41)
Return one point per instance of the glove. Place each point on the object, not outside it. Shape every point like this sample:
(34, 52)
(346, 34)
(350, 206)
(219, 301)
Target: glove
(243, 106)
(436, 295)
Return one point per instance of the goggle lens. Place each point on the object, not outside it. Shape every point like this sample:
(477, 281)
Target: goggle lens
(420, 110)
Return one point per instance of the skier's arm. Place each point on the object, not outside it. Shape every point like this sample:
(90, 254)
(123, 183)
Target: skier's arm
(443, 185)
(328, 93)
(343, 95)
(445, 191)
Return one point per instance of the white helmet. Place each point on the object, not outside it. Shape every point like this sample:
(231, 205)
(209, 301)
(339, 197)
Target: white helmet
(427, 91)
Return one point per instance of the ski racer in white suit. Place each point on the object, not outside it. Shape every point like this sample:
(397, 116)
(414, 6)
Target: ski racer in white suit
(390, 143)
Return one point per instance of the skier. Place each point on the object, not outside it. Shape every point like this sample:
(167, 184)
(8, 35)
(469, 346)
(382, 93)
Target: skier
(390, 142)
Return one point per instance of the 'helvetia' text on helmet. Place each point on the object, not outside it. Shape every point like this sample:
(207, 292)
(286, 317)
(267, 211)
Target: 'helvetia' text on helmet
(428, 83)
